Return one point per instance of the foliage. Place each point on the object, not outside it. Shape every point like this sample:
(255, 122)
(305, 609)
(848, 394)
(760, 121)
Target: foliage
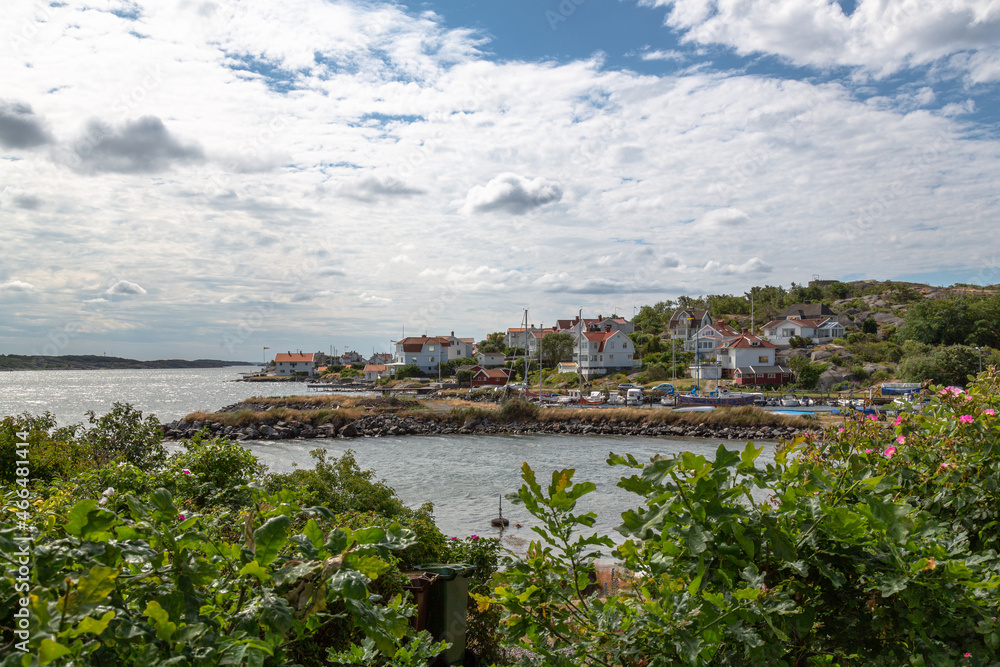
(857, 546)
(807, 373)
(212, 469)
(148, 585)
(950, 365)
(799, 342)
(967, 319)
(492, 344)
(557, 347)
(348, 372)
(53, 455)
(869, 326)
(408, 371)
(123, 434)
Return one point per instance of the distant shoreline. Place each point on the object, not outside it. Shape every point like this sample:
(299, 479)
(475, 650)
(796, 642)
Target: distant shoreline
(18, 362)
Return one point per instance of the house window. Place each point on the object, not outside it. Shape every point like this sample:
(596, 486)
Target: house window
(787, 333)
(770, 376)
(762, 360)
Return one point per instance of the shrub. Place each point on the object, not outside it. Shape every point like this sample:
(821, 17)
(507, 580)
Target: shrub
(799, 342)
(123, 434)
(50, 455)
(875, 546)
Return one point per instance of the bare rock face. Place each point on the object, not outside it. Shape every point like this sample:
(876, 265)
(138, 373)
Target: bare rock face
(821, 355)
(830, 377)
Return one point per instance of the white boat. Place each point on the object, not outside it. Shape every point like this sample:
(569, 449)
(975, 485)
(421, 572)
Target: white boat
(790, 401)
(615, 399)
(634, 396)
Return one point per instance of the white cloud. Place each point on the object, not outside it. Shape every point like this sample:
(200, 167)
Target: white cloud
(511, 193)
(124, 287)
(754, 265)
(881, 36)
(17, 286)
(660, 54)
(723, 218)
(373, 299)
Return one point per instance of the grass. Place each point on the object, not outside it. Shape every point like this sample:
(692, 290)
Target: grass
(243, 418)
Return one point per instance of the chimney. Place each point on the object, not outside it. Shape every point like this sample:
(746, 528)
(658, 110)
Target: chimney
(607, 327)
(452, 334)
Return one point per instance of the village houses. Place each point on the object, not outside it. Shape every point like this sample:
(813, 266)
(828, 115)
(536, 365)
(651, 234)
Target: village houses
(291, 363)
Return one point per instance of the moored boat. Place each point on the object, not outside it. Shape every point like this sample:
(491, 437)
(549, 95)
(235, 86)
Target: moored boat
(719, 398)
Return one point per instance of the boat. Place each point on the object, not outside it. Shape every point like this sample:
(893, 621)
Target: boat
(634, 396)
(594, 398)
(790, 401)
(721, 397)
(615, 399)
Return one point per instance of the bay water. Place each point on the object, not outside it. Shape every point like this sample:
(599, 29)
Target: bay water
(464, 476)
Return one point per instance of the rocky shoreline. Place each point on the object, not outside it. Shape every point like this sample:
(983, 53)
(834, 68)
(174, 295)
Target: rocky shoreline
(387, 425)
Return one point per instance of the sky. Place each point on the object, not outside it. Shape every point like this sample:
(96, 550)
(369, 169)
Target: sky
(207, 179)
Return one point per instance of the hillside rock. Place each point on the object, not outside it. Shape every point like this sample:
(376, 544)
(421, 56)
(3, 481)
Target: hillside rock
(830, 377)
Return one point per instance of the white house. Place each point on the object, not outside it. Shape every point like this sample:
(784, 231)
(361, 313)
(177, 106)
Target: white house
(568, 367)
(423, 351)
(600, 323)
(819, 331)
(603, 352)
(490, 359)
(744, 351)
(290, 363)
(708, 338)
(376, 372)
(460, 347)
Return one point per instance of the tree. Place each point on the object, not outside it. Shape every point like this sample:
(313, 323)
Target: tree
(492, 344)
(949, 365)
(409, 371)
(652, 319)
(557, 347)
(869, 326)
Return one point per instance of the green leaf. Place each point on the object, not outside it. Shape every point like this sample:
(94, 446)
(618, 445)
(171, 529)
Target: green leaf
(351, 584)
(255, 569)
(336, 542)
(313, 532)
(320, 510)
(163, 505)
(92, 625)
(50, 650)
(87, 518)
(369, 535)
(290, 573)
(160, 620)
(94, 586)
(716, 599)
(370, 566)
(270, 538)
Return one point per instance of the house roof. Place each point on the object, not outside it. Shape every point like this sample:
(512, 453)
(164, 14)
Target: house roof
(294, 357)
(497, 373)
(375, 368)
(416, 344)
(567, 364)
(807, 311)
(602, 337)
(747, 341)
(697, 314)
(802, 323)
(761, 370)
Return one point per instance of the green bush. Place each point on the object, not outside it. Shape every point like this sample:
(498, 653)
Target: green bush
(873, 546)
(123, 434)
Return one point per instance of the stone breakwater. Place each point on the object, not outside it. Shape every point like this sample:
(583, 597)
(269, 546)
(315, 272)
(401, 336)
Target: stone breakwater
(385, 425)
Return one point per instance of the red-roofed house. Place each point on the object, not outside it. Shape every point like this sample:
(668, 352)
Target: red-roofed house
(425, 352)
(603, 352)
(290, 363)
(376, 372)
(743, 351)
(487, 377)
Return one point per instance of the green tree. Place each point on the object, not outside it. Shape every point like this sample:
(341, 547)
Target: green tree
(557, 347)
(869, 326)
(123, 434)
(492, 344)
(409, 371)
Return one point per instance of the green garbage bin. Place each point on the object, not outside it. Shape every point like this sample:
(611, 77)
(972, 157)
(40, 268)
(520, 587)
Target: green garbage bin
(447, 605)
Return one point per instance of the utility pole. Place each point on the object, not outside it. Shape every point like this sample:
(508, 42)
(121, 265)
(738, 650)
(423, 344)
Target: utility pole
(579, 353)
(263, 355)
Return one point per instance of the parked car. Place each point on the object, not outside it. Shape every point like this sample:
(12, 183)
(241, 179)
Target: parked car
(625, 386)
(665, 387)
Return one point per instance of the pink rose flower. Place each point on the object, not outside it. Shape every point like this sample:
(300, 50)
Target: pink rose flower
(901, 440)
(868, 451)
(954, 391)
(840, 430)
(989, 411)
(889, 451)
(186, 471)
(874, 418)
(966, 419)
(899, 420)
(180, 517)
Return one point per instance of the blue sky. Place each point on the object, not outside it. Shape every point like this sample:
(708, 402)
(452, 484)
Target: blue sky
(206, 179)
